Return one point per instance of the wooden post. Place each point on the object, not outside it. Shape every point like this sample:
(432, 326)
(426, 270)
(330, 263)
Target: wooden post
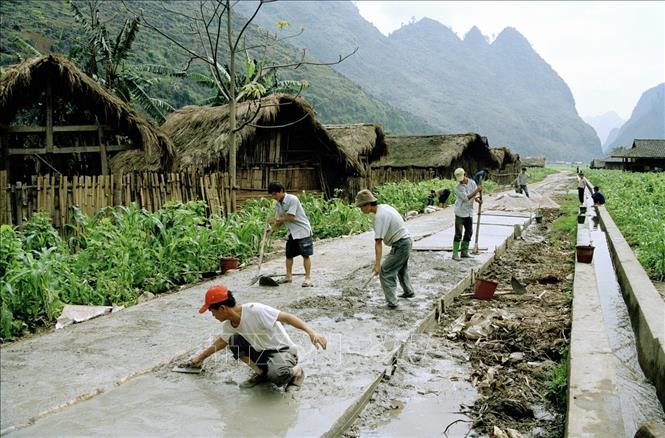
(49, 117)
(102, 149)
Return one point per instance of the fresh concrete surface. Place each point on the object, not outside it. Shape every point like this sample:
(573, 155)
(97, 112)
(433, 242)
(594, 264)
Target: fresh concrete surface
(593, 403)
(646, 306)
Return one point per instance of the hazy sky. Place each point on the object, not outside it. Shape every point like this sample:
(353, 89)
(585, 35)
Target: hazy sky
(608, 53)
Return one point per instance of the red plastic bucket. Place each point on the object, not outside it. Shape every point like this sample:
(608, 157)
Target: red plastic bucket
(584, 253)
(227, 263)
(485, 289)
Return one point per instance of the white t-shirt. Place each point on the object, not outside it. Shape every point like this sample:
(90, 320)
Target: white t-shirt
(299, 228)
(389, 225)
(259, 326)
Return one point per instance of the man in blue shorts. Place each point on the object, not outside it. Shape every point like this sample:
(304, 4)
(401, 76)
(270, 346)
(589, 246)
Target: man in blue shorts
(289, 212)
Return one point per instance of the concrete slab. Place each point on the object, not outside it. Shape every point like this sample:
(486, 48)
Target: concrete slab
(593, 403)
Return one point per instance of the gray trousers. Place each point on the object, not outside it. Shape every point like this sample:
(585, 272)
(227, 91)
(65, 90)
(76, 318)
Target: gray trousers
(396, 265)
(276, 364)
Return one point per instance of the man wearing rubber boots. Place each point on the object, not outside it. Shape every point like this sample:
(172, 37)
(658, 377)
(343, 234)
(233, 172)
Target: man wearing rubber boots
(465, 192)
(389, 228)
(255, 335)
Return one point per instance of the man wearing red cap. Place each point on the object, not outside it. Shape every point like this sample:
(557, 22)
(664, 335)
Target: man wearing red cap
(255, 335)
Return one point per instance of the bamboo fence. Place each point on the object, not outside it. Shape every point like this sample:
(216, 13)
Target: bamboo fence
(56, 195)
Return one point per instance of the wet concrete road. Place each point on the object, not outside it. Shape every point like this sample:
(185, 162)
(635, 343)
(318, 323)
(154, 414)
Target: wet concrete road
(109, 376)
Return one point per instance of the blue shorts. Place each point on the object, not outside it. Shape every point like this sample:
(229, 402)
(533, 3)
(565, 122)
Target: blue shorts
(299, 247)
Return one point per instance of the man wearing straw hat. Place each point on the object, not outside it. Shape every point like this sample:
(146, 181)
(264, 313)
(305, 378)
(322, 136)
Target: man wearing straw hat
(389, 228)
(465, 192)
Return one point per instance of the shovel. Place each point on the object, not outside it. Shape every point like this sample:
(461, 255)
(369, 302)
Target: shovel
(258, 275)
(366, 283)
(475, 245)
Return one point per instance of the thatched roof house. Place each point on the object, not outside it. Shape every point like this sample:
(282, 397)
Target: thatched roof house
(51, 110)
(505, 157)
(363, 143)
(533, 161)
(281, 139)
(421, 157)
(645, 155)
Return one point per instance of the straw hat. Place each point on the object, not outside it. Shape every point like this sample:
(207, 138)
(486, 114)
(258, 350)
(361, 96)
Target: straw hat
(364, 197)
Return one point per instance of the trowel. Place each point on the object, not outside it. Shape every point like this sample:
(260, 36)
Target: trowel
(187, 369)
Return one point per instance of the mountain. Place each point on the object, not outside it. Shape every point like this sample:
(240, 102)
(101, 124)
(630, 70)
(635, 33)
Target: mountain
(604, 124)
(503, 90)
(646, 121)
(49, 26)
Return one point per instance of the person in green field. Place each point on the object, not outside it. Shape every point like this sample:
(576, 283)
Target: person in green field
(465, 192)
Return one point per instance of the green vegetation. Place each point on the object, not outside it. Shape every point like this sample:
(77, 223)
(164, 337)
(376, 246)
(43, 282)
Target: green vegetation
(556, 385)
(565, 227)
(539, 173)
(111, 258)
(636, 202)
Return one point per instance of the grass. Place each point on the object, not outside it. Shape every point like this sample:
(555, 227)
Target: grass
(565, 227)
(556, 385)
(539, 173)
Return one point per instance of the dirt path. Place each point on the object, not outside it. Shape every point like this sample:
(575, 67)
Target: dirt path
(113, 371)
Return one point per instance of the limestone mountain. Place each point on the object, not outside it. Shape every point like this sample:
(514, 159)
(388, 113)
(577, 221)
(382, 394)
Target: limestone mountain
(604, 125)
(646, 121)
(503, 90)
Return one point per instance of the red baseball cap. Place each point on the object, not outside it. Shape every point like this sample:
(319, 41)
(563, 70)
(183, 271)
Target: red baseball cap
(215, 294)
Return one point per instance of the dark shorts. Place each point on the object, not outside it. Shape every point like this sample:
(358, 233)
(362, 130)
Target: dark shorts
(299, 247)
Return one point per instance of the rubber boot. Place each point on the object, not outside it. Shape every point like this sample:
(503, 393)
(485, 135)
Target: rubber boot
(465, 249)
(456, 250)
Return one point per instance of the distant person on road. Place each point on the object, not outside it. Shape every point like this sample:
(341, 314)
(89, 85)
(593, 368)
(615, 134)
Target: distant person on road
(521, 181)
(389, 228)
(439, 197)
(482, 173)
(289, 211)
(465, 191)
(255, 335)
(598, 197)
(580, 187)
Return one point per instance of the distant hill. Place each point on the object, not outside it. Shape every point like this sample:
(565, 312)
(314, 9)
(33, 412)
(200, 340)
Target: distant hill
(604, 124)
(646, 121)
(503, 90)
(49, 26)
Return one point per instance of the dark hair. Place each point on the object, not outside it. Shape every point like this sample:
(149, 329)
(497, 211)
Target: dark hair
(275, 187)
(432, 191)
(228, 302)
(373, 203)
(596, 188)
(523, 168)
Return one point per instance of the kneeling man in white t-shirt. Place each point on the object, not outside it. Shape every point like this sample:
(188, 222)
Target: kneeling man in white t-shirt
(255, 335)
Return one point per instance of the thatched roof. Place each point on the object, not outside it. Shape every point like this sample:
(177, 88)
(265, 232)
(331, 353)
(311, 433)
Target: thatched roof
(23, 84)
(533, 161)
(359, 139)
(504, 156)
(434, 151)
(643, 148)
(200, 133)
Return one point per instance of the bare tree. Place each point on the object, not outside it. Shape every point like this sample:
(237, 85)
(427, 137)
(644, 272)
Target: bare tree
(211, 24)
